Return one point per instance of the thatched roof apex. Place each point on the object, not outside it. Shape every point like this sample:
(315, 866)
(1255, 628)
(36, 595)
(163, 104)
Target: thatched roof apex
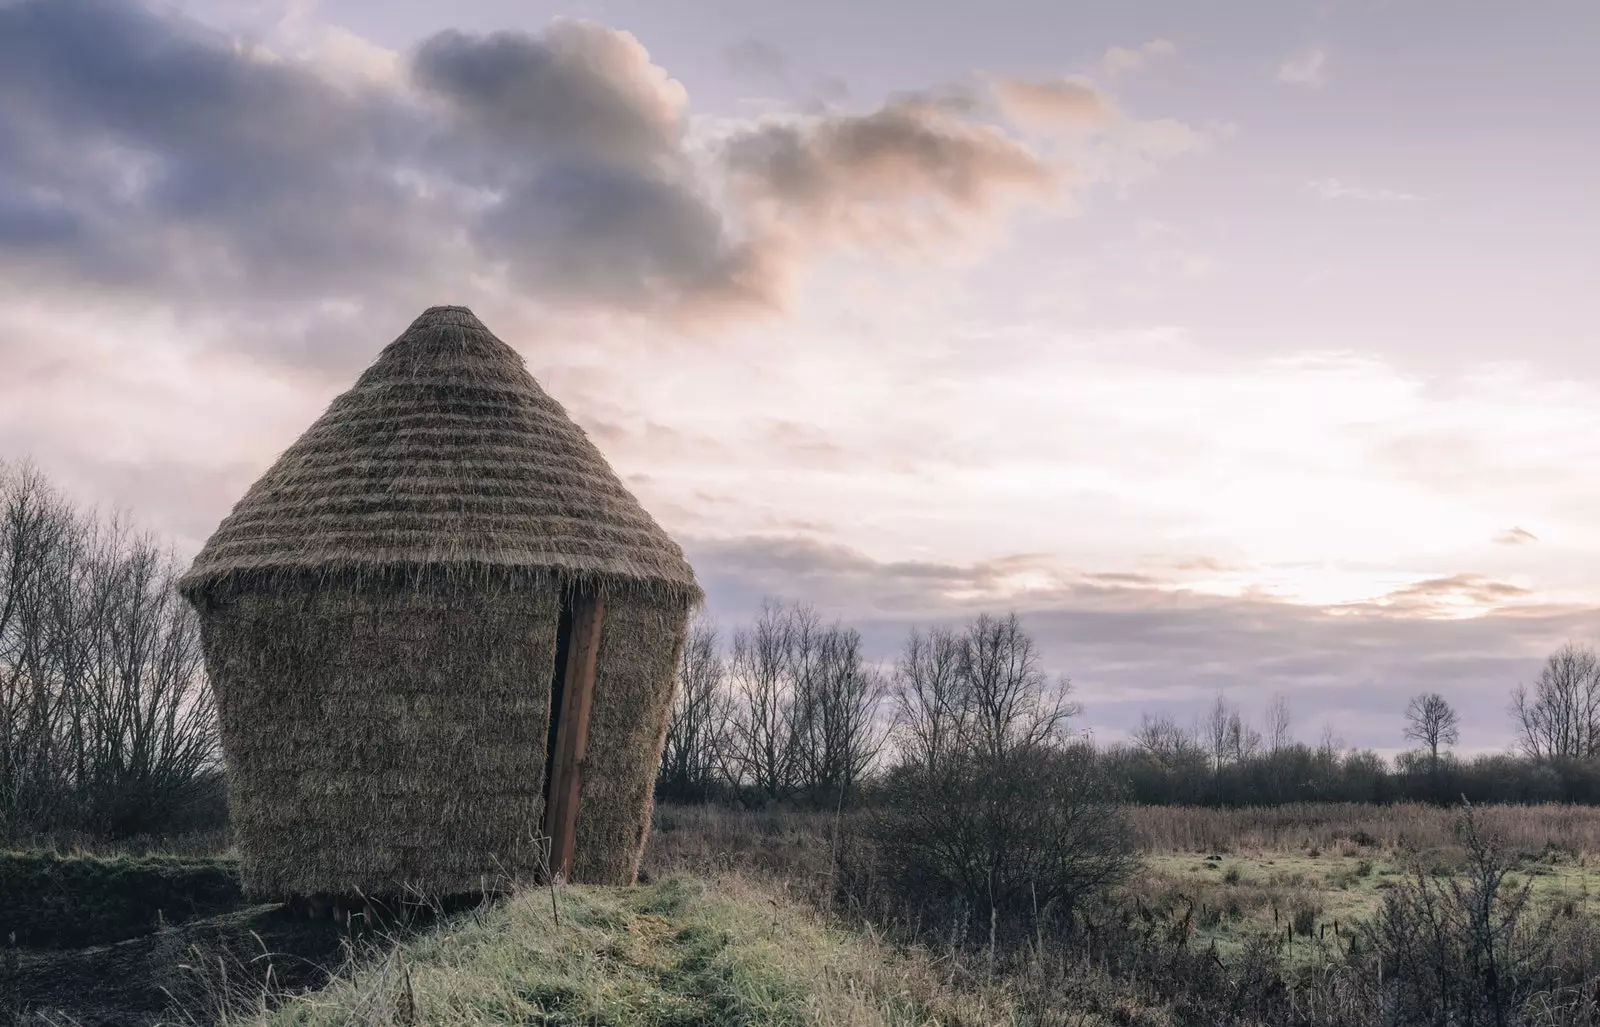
(445, 457)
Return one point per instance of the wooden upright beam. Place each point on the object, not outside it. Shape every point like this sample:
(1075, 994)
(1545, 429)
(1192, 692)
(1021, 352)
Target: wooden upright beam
(572, 733)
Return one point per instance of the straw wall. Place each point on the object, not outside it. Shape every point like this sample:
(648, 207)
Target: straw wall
(640, 645)
(383, 738)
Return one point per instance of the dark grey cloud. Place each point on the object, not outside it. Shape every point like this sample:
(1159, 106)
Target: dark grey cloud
(1132, 647)
(143, 154)
(158, 155)
(579, 89)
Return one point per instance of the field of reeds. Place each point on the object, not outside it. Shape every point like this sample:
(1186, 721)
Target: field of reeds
(1347, 827)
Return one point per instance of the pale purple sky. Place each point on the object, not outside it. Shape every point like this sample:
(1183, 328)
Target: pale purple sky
(1240, 346)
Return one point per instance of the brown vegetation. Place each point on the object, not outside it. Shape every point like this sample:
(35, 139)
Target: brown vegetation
(1329, 826)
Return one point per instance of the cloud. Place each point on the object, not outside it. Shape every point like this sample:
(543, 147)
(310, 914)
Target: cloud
(139, 146)
(1120, 60)
(1133, 643)
(559, 167)
(1458, 591)
(1333, 189)
(891, 177)
(1515, 537)
(1307, 68)
(1052, 105)
(578, 90)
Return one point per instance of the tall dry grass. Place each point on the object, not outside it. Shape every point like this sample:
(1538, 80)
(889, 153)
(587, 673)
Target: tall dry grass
(1326, 826)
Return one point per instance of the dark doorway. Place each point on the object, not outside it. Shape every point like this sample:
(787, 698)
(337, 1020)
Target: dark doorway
(558, 691)
(571, 699)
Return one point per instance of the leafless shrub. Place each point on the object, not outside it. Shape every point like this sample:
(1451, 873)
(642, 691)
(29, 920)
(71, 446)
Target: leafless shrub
(1467, 950)
(696, 731)
(993, 810)
(804, 704)
(106, 725)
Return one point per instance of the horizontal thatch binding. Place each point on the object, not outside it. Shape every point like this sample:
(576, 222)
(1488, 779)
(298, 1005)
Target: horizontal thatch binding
(445, 455)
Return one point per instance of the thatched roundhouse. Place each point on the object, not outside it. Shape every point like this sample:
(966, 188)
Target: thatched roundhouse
(392, 616)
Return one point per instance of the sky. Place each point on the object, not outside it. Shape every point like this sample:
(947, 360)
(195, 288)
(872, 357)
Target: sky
(1245, 347)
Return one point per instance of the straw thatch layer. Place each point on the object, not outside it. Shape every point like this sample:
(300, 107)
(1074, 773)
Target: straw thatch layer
(381, 613)
(445, 454)
(640, 645)
(384, 740)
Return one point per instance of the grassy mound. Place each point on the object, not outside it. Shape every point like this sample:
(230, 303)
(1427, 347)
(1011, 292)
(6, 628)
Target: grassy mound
(60, 902)
(673, 954)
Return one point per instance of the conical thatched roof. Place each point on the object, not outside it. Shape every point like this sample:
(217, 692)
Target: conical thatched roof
(445, 456)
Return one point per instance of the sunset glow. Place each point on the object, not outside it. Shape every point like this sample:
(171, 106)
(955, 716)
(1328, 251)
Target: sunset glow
(1198, 347)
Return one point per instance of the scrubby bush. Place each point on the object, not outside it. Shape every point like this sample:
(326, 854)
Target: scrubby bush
(1467, 950)
(992, 815)
(1023, 835)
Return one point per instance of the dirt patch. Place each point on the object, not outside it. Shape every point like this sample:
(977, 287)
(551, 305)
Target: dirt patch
(133, 982)
(48, 901)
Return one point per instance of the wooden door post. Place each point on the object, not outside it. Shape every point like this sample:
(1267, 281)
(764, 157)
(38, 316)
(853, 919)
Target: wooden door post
(572, 733)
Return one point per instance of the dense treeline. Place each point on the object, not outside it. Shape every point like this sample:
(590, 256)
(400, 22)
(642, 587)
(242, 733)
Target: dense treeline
(788, 711)
(1302, 773)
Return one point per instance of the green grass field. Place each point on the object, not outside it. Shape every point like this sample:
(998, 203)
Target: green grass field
(1301, 897)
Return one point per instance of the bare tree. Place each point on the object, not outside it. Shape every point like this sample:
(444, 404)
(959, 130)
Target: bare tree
(1230, 738)
(1329, 744)
(701, 711)
(837, 698)
(1560, 718)
(1010, 704)
(929, 696)
(105, 721)
(992, 805)
(762, 750)
(1280, 723)
(1432, 722)
(1164, 739)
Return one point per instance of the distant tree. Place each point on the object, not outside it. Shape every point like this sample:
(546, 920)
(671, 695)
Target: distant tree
(1280, 722)
(697, 728)
(837, 697)
(1009, 703)
(1231, 739)
(1432, 722)
(762, 751)
(929, 695)
(1164, 739)
(1560, 717)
